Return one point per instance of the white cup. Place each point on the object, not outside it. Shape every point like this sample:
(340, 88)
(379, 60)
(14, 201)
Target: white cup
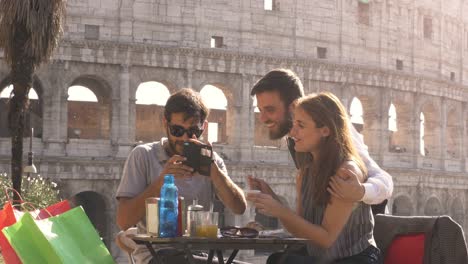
(250, 210)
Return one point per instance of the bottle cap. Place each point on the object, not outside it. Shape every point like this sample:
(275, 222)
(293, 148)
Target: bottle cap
(169, 178)
(195, 207)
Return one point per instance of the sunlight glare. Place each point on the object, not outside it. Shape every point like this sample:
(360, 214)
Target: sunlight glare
(356, 111)
(7, 91)
(214, 98)
(152, 93)
(81, 94)
(392, 118)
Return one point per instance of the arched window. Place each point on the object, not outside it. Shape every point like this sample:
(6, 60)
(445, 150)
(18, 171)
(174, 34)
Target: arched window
(88, 117)
(33, 117)
(5, 93)
(215, 99)
(392, 118)
(356, 113)
(422, 147)
(402, 205)
(152, 93)
(433, 207)
(79, 93)
(254, 104)
(151, 97)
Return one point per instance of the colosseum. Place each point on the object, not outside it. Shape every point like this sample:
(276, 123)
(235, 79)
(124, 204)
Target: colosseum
(399, 66)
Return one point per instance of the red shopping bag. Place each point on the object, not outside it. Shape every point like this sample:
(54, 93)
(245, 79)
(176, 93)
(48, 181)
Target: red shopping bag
(8, 218)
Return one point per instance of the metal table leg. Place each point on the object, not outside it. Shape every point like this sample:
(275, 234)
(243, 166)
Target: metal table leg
(219, 254)
(233, 255)
(210, 256)
(189, 255)
(151, 250)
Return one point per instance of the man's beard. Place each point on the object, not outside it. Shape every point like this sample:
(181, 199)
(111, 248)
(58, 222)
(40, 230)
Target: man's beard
(175, 146)
(283, 128)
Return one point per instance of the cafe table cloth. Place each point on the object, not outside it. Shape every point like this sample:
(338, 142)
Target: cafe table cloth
(66, 238)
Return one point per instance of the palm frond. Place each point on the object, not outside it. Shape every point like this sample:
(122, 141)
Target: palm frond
(42, 19)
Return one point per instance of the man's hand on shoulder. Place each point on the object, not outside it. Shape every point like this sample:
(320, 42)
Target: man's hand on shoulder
(347, 185)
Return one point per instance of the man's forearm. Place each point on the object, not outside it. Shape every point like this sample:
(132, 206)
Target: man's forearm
(377, 191)
(131, 210)
(229, 193)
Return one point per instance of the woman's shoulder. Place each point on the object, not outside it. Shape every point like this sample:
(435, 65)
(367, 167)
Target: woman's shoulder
(352, 166)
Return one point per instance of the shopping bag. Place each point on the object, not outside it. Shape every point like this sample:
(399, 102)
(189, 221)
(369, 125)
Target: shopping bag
(7, 218)
(66, 238)
(9, 215)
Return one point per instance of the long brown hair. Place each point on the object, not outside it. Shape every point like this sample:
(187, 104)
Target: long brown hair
(326, 110)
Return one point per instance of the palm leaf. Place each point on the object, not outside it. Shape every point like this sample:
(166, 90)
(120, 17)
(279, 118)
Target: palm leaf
(42, 21)
(29, 33)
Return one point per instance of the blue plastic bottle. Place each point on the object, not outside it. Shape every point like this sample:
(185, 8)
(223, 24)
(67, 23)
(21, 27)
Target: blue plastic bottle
(168, 209)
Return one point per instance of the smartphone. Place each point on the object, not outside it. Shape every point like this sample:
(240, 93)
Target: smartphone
(199, 157)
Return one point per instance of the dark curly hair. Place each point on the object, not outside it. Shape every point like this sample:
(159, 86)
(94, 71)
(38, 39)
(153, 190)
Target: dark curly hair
(186, 101)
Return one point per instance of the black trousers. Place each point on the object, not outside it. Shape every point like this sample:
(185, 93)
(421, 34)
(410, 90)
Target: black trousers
(370, 255)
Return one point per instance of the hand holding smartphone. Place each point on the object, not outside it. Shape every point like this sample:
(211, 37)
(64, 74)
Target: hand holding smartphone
(199, 157)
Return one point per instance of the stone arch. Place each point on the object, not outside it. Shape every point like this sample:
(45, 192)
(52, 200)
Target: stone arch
(94, 204)
(399, 141)
(226, 129)
(216, 131)
(90, 120)
(173, 79)
(372, 113)
(457, 211)
(453, 135)
(402, 205)
(433, 206)
(356, 114)
(149, 114)
(35, 110)
(432, 127)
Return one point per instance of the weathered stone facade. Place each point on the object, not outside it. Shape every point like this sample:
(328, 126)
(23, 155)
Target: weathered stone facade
(343, 46)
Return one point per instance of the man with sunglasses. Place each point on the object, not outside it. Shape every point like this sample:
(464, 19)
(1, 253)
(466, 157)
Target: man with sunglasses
(143, 175)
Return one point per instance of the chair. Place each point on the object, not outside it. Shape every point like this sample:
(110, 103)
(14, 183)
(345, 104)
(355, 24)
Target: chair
(127, 244)
(442, 238)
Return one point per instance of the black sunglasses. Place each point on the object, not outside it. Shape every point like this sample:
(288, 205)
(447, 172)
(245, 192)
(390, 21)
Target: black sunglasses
(178, 131)
(233, 231)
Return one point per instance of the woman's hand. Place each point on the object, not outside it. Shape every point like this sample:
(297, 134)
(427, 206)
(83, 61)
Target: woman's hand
(259, 184)
(266, 204)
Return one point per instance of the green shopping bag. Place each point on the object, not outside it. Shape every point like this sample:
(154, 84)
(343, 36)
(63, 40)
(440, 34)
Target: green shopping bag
(66, 238)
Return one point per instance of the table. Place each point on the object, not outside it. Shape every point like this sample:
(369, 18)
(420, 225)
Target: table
(216, 245)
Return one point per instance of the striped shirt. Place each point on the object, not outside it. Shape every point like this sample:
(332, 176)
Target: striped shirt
(355, 237)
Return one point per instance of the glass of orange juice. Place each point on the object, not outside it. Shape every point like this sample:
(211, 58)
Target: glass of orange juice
(207, 225)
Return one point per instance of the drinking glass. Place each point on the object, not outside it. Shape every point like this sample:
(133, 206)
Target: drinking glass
(207, 226)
